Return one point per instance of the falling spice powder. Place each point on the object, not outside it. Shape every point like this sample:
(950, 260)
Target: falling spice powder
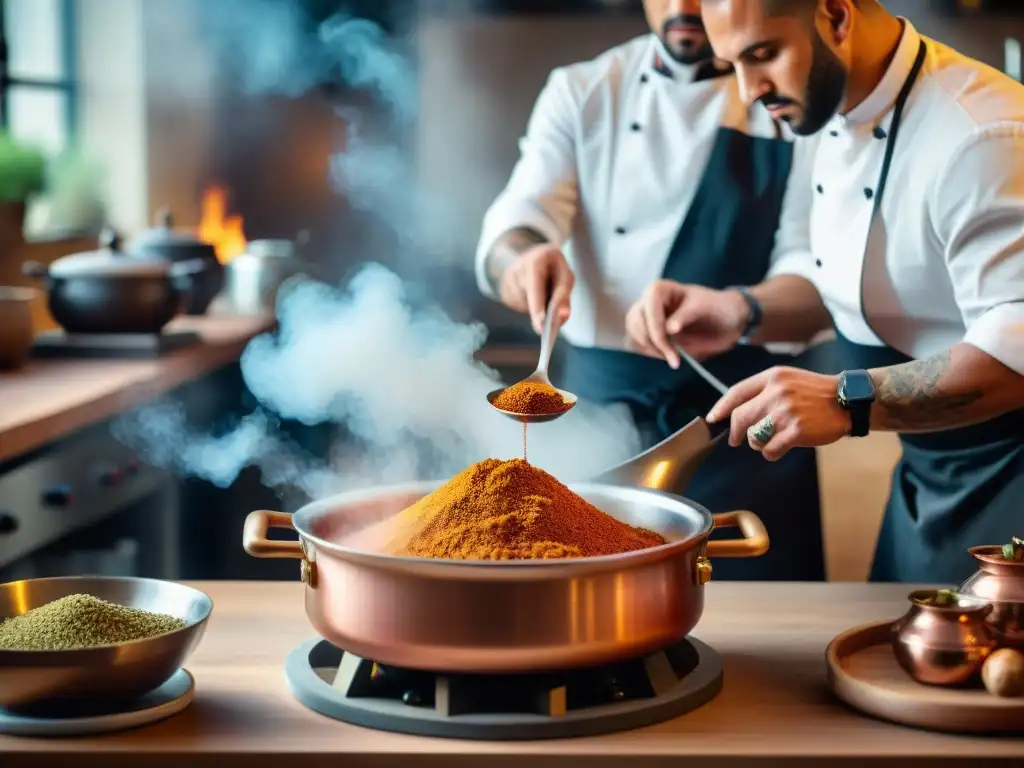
(503, 510)
(532, 398)
(81, 621)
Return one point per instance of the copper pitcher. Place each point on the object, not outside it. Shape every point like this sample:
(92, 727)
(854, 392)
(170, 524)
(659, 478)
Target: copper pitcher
(1000, 582)
(939, 644)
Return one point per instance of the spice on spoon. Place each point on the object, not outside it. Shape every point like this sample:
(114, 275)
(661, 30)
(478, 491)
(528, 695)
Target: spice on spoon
(531, 398)
(81, 621)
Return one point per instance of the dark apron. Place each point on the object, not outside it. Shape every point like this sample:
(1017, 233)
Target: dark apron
(952, 489)
(726, 239)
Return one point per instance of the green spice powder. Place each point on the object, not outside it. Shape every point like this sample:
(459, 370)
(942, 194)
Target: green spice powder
(81, 621)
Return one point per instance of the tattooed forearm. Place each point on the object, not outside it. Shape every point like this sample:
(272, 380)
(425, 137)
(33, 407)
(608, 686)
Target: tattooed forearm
(925, 395)
(508, 247)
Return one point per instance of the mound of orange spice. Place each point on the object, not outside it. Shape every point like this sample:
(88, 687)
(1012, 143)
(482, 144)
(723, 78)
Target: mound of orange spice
(532, 398)
(506, 510)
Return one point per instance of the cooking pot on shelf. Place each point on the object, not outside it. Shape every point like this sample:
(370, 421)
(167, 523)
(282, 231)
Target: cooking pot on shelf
(507, 616)
(178, 245)
(255, 277)
(109, 291)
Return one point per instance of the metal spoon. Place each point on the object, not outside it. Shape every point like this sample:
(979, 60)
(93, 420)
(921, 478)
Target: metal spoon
(547, 344)
(672, 463)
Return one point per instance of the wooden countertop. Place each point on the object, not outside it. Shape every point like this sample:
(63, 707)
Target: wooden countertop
(49, 399)
(773, 710)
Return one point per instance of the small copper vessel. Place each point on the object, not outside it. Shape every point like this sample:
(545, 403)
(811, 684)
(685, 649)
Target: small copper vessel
(943, 644)
(1000, 582)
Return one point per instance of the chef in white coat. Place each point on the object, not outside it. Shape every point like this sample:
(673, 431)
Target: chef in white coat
(917, 235)
(642, 165)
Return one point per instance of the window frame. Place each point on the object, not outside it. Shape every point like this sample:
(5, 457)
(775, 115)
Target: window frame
(66, 85)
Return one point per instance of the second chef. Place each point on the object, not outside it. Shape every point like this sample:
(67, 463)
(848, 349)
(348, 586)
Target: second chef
(716, 197)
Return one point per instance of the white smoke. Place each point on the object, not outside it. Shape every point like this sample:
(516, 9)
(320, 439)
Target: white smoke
(403, 380)
(398, 374)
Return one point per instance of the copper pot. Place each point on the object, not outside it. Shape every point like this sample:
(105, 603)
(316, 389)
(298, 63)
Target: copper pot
(943, 644)
(1001, 583)
(508, 616)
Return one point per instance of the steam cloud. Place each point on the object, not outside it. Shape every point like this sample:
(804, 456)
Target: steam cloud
(400, 377)
(397, 372)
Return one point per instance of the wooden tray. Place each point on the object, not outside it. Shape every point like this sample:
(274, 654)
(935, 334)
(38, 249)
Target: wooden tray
(863, 672)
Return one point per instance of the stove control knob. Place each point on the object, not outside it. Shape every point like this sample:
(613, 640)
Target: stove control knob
(111, 477)
(58, 495)
(8, 523)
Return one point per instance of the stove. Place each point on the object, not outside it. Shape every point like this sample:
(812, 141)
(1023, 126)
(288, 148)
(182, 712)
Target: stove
(586, 702)
(60, 344)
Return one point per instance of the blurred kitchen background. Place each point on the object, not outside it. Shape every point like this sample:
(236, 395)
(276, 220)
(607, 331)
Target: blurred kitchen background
(132, 109)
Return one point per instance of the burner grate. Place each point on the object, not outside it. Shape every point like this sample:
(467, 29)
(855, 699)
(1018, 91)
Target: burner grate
(585, 702)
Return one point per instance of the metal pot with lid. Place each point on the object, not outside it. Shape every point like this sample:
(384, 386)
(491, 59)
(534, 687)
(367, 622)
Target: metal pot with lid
(112, 291)
(177, 245)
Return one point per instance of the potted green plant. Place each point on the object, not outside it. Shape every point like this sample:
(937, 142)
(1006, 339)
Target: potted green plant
(22, 174)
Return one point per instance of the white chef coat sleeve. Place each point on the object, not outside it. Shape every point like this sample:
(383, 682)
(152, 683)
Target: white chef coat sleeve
(978, 212)
(791, 254)
(542, 192)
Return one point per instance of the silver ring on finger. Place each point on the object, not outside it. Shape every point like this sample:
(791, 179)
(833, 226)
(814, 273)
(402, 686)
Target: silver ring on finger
(759, 434)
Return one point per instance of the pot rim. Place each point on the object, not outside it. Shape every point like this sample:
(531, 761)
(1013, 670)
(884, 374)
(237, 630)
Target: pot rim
(307, 513)
(990, 558)
(169, 238)
(964, 603)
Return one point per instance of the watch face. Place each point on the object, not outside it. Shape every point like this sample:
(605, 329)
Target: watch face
(857, 386)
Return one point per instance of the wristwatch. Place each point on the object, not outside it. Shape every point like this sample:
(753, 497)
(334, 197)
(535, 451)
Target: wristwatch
(753, 317)
(855, 394)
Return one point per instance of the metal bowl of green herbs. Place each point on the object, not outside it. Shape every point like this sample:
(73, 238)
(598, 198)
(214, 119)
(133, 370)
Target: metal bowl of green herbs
(104, 639)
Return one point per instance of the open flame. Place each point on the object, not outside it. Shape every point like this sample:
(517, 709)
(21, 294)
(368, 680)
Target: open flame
(225, 233)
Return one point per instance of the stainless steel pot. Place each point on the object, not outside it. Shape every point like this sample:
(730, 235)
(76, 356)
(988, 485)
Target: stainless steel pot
(255, 277)
(503, 617)
(181, 245)
(108, 291)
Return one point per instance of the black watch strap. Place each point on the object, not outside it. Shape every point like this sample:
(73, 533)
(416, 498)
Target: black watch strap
(755, 316)
(860, 419)
(856, 395)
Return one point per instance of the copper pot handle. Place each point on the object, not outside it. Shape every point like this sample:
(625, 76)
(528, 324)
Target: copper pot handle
(254, 535)
(753, 543)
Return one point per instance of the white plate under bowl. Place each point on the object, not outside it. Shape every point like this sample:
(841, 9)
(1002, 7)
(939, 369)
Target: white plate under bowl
(169, 699)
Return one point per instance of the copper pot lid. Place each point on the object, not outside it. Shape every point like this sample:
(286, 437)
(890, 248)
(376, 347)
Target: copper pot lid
(111, 260)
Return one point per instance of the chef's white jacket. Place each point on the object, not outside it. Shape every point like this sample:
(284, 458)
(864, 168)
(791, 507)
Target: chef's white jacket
(946, 257)
(613, 154)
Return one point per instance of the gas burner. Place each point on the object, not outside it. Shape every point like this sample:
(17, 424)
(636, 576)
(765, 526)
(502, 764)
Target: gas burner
(60, 344)
(585, 702)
